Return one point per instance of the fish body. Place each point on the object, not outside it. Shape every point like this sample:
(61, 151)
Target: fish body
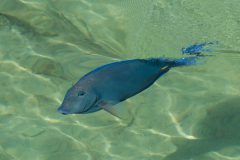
(112, 83)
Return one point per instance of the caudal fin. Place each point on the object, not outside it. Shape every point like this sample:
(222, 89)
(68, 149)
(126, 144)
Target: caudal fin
(176, 62)
(187, 61)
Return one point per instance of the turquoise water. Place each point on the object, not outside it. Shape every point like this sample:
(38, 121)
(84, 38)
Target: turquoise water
(191, 113)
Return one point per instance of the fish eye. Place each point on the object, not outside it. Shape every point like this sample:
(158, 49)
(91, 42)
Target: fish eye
(81, 93)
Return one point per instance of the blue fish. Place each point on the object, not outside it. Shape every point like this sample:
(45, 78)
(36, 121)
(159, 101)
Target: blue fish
(197, 49)
(110, 84)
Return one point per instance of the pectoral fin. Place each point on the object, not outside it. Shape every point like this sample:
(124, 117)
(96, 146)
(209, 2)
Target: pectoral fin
(117, 111)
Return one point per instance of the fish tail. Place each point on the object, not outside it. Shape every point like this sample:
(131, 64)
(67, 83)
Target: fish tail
(176, 62)
(188, 61)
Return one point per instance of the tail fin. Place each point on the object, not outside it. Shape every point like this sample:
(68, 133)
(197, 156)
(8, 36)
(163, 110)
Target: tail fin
(173, 62)
(197, 49)
(187, 61)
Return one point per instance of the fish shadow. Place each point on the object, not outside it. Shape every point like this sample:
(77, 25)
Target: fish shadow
(220, 128)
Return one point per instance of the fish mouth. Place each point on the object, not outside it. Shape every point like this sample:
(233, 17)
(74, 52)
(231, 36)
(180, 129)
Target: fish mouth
(62, 111)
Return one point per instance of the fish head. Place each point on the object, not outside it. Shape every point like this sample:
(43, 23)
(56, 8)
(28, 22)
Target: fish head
(77, 101)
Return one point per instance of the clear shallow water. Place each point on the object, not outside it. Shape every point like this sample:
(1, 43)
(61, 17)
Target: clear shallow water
(190, 113)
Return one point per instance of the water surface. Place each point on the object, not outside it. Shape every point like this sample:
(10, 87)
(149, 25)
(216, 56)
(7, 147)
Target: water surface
(47, 45)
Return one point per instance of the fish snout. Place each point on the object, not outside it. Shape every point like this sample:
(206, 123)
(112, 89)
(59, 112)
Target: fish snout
(61, 110)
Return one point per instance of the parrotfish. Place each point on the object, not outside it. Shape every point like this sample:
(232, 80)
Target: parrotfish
(197, 49)
(110, 84)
